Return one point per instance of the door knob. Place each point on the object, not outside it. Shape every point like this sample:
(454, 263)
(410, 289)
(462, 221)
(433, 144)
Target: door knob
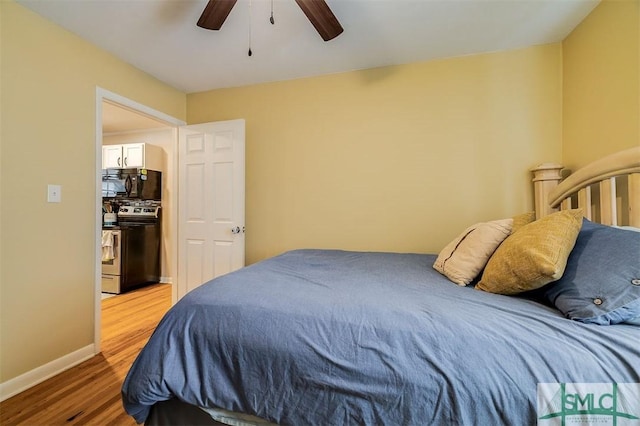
(235, 230)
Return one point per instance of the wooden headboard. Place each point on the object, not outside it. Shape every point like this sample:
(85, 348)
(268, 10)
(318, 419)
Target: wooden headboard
(608, 190)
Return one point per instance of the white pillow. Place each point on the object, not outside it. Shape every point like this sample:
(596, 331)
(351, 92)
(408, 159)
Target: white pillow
(464, 258)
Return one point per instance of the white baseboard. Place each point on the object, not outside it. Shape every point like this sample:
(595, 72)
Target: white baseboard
(166, 280)
(40, 374)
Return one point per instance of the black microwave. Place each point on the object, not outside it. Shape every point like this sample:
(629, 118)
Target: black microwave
(141, 184)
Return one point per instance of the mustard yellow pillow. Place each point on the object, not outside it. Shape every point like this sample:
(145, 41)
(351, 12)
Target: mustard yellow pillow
(522, 219)
(463, 258)
(533, 256)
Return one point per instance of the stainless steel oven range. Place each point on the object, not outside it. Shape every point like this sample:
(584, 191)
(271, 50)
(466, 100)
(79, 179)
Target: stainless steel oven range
(135, 243)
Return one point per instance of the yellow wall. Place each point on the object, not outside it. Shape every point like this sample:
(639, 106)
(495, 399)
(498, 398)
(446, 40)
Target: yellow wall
(392, 159)
(48, 85)
(601, 83)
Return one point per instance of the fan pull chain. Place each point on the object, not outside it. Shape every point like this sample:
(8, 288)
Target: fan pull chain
(250, 52)
(271, 18)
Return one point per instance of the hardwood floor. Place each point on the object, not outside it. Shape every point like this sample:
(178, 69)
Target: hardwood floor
(90, 392)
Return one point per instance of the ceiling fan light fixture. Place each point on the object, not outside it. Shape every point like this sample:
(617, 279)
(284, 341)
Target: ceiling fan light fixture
(317, 12)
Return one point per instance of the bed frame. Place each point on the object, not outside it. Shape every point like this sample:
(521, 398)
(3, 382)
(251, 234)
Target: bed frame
(598, 188)
(608, 190)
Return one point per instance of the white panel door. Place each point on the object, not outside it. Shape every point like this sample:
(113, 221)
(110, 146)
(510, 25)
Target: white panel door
(211, 202)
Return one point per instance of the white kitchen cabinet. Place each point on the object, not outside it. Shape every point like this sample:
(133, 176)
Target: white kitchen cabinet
(112, 156)
(132, 155)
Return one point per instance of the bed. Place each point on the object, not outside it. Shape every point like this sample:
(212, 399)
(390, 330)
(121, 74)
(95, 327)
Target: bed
(477, 334)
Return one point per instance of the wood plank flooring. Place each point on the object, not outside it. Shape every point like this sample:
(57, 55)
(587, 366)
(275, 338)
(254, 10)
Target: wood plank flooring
(89, 394)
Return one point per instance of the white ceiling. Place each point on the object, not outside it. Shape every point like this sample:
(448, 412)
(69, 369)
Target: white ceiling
(161, 36)
(117, 119)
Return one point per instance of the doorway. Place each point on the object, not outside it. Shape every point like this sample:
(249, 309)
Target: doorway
(117, 114)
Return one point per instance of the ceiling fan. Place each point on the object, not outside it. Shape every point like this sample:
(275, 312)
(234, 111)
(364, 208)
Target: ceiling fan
(317, 11)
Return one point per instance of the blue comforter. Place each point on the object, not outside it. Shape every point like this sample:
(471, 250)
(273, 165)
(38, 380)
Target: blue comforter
(320, 337)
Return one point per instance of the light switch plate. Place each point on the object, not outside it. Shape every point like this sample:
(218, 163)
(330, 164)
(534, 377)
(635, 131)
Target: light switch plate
(54, 193)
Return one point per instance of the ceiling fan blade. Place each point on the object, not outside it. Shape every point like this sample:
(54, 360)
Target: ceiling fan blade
(322, 18)
(215, 13)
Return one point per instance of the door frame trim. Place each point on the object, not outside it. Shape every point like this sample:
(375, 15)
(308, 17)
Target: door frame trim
(106, 95)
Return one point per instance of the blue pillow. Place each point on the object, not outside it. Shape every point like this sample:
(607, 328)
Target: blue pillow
(633, 321)
(601, 283)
